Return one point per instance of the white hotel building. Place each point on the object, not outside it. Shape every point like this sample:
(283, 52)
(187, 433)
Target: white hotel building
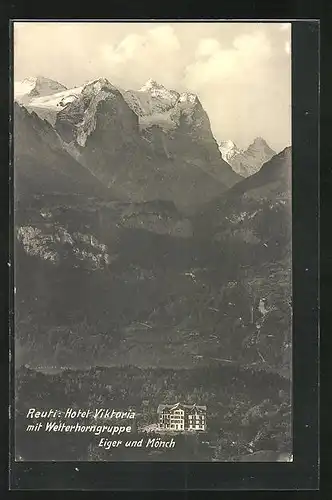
(180, 417)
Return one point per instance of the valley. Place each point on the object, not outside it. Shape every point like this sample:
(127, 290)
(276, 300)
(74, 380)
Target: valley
(145, 263)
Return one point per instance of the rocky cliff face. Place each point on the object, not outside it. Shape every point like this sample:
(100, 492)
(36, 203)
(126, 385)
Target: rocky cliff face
(249, 161)
(179, 126)
(266, 192)
(251, 224)
(228, 150)
(42, 165)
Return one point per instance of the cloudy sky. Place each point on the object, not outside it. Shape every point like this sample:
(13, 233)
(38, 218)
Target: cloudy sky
(240, 71)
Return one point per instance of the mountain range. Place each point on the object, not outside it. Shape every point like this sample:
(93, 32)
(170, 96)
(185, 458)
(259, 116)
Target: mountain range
(162, 145)
(136, 242)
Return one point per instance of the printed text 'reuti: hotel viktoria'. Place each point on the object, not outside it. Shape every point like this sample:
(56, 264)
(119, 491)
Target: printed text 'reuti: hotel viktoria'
(101, 413)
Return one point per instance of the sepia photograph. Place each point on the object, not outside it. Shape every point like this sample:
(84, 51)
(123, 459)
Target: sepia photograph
(152, 241)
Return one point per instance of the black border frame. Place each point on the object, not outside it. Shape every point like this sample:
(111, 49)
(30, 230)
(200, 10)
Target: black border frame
(302, 474)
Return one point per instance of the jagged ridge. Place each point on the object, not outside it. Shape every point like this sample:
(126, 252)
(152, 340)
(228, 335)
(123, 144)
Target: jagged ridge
(247, 162)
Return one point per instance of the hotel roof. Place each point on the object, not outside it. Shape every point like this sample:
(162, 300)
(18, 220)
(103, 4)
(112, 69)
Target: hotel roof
(180, 405)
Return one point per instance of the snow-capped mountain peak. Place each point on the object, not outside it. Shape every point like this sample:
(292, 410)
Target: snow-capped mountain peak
(36, 86)
(228, 150)
(99, 84)
(158, 90)
(188, 98)
(152, 85)
(246, 162)
(229, 144)
(30, 80)
(48, 104)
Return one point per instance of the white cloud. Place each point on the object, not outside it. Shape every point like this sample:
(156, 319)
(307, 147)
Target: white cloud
(207, 46)
(164, 36)
(124, 50)
(248, 54)
(161, 38)
(139, 57)
(239, 85)
(256, 44)
(130, 44)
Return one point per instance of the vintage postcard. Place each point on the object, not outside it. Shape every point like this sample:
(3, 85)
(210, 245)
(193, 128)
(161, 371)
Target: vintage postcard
(152, 241)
